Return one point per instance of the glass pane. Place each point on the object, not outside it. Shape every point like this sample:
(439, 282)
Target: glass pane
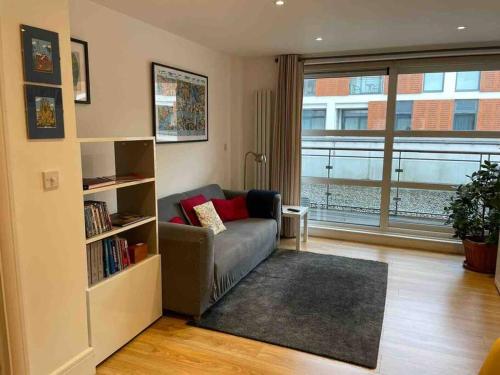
(354, 158)
(314, 118)
(424, 162)
(437, 110)
(467, 81)
(349, 103)
(433, 82)
(418, 206)
(342, 204)
(309, 87)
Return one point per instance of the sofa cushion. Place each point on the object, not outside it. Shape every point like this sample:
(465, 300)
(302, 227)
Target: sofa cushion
(169, 207)
(188, 205)
(209, 218)
(240, 249)
(231, 209)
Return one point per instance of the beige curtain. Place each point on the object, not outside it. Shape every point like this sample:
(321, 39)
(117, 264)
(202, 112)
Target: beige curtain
(285, 143)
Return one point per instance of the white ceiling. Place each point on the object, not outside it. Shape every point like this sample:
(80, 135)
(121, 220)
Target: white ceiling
(259, 28)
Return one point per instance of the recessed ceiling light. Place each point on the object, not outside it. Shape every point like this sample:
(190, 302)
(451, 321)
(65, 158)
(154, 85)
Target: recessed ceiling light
(279, 2)
(318, 39)
(461, 27)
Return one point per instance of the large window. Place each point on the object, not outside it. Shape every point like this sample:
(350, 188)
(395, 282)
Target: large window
(433, 82)
(357, 172)
(465, 114)
(404, 109)
(467, 81)
(366, 85)
(313, 119)
(354, 119)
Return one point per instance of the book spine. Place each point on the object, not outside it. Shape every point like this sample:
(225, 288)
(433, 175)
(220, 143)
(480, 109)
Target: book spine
(127, 254)
(89, 270)
(94, 263)
(111, 257)
(107, 219)
(101, 263)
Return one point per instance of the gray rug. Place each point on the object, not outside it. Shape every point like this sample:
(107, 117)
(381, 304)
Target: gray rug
(322, 304)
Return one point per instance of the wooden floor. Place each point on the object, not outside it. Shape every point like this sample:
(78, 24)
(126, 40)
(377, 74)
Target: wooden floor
(439, 319)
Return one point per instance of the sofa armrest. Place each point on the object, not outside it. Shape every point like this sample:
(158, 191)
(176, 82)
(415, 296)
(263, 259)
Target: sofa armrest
(187, 267)
(229, 194)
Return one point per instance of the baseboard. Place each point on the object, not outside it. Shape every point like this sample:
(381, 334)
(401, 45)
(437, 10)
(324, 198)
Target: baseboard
(388, 239)
(81, 364)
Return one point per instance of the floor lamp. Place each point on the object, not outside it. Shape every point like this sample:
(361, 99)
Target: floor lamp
(258, 158)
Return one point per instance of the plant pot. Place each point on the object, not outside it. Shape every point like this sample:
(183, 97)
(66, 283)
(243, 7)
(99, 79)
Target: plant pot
(479, 256)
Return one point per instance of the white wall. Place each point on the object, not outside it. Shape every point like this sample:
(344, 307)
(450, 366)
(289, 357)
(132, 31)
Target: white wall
(41, 235)
(121, 50)
(257, 73)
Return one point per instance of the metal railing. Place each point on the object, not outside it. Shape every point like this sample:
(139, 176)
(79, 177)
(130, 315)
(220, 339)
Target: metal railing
(336, 158)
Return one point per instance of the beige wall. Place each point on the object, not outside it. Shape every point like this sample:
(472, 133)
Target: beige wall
(121, 50)
(42, 236)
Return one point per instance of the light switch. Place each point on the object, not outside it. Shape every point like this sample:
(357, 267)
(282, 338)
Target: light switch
(50, 180)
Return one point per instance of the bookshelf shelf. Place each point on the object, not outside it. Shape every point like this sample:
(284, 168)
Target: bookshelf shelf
(121, 273)
(124, 303)
(118, 185)
(118, 230)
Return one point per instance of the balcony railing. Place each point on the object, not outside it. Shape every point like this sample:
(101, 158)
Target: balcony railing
(342, 183)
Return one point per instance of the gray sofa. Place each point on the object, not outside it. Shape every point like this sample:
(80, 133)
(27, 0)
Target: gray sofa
(198, 268)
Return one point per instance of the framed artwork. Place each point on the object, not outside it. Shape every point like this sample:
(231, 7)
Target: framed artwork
(40, 55)
(44, 112)
(80, 65)
(180, 105)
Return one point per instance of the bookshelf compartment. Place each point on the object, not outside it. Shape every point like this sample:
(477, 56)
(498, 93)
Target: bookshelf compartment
(119, 230)
(122, 306)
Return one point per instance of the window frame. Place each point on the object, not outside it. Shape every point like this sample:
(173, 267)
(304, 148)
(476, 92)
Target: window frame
(381, 85)
(342, 117)
(478, 86)
(393, 68)
(462, 112)
(324, 110)
(443, 76)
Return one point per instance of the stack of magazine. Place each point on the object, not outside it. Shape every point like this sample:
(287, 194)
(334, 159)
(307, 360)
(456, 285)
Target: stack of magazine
(106, 257)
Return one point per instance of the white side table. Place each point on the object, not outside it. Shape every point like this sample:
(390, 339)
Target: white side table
(301, 214)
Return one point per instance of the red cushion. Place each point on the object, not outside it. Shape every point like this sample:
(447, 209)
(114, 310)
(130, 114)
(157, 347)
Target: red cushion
(177, 220)
(187, 206)
(231, 209)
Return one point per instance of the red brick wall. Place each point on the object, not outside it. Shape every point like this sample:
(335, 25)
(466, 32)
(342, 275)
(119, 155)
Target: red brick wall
(432, 115)
(490, 81)
(332, 86)
(410, 83)
(376, 115)
(488, 115)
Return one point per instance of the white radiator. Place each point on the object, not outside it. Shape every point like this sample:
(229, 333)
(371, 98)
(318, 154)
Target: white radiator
(263, 119)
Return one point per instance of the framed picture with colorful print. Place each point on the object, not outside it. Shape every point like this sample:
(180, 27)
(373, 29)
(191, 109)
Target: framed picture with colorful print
(41, 58)
(80, 65)
(44, 112)
(180, 105)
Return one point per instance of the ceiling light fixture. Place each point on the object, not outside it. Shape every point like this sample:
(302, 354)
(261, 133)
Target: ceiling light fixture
(279, 2)
(461, 27)
(318, 39)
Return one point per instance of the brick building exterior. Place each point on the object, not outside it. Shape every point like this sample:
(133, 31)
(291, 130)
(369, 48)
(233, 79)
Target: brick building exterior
(432, 107)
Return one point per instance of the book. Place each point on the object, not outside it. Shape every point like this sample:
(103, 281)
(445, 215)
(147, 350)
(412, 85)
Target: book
(97, 182)
(106, 257)
(97, 218)
(122, 219)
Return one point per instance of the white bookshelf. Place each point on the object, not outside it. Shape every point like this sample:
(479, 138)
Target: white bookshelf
(122, 305)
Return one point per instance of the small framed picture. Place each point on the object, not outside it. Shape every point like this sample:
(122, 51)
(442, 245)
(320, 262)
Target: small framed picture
(180, 105)
(80, 64)
(40, 55)
(44, 112)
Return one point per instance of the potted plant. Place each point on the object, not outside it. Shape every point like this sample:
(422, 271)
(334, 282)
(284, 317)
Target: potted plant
(474, 213)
